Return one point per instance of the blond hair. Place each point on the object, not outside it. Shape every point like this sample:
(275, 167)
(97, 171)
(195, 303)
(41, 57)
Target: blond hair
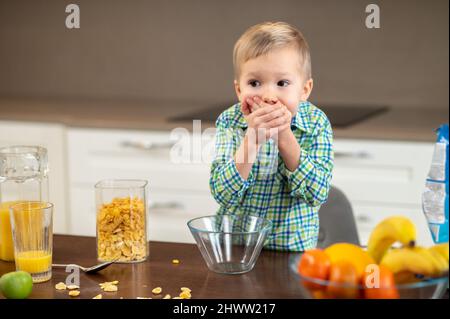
(262, 38)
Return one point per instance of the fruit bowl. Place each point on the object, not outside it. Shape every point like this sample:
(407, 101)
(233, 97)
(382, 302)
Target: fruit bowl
(313, 288)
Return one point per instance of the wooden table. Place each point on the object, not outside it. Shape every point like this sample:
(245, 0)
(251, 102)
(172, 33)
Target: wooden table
(271, 277)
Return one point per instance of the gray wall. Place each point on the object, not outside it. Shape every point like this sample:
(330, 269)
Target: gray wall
(181, 49)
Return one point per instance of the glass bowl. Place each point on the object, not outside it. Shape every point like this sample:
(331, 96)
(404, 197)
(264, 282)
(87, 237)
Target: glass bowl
(313, 288)
(230, 244)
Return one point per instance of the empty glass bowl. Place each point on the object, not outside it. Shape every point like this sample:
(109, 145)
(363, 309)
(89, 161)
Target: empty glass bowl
(313, 288)
(230, 244)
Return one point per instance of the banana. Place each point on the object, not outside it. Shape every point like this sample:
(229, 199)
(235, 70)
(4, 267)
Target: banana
(439, 263)
(409, 260)
(387, 232)
(441, 249)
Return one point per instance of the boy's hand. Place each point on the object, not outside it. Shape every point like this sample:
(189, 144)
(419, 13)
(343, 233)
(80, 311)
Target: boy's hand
(257, 103)
(266, 121)
(246, 108)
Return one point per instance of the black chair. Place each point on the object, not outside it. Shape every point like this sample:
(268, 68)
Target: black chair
(337, 223)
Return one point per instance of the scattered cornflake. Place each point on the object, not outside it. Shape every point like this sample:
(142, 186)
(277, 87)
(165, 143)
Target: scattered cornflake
(185, 295)
(108, 283)
(175, 261)
(110, 288)
(177, 298)
(167, 296)
(60, 286)
(73, 287)
(74, 293)
(185, 289)
(143, 297)
(99, 296)
(157, 290)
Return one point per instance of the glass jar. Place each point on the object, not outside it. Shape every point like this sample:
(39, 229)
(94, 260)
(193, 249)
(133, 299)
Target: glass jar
(121, 220)
(23, 177)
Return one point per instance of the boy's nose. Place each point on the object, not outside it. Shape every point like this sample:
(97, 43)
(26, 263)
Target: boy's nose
(270, 99)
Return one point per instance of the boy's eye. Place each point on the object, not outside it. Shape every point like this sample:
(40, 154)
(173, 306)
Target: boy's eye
(254, 83)
(283, 83)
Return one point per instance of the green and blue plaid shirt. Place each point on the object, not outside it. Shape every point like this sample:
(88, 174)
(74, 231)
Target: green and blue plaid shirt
(291, 200)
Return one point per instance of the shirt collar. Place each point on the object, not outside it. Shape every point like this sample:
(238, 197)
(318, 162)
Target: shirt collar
(300, 120)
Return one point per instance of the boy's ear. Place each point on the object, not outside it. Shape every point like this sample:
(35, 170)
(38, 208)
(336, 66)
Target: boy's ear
(237, 88)
(307, 88)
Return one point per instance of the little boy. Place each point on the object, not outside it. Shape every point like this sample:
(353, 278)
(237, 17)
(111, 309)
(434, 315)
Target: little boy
(274, 156)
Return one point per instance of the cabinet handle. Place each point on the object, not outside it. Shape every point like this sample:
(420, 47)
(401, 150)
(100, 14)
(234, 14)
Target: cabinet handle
(147, 146)
(352, 154)
(166, 205)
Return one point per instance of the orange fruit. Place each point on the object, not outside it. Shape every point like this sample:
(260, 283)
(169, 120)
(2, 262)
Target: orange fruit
(346, 252)
(344, 280)
(314, 263)
(386, 284)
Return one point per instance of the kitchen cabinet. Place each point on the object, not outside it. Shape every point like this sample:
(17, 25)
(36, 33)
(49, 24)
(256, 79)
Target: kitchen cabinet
(53, 138)
(380, 178)
(383, 178)
(177, 191)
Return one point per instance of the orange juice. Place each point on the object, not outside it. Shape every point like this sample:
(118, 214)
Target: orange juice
(34, 261)
(6, 240)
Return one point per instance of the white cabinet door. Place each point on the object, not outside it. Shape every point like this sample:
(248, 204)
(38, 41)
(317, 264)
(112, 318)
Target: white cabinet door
(108, 154)
(82, 218)
(381, 179)
(52, 137)
(169, 214)
(177, 191)
(382, 171)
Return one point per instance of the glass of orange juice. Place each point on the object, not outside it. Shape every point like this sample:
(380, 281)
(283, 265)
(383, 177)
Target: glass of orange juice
(32, 232)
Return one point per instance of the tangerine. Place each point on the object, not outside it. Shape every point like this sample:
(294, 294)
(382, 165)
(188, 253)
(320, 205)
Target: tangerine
(380, 284)
(344, 280)
(314, 263)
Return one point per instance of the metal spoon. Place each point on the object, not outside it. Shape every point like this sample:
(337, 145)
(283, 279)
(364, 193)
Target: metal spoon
(88, 270)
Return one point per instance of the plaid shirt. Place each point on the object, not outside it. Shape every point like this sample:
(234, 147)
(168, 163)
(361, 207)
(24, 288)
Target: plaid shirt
(291, 200)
